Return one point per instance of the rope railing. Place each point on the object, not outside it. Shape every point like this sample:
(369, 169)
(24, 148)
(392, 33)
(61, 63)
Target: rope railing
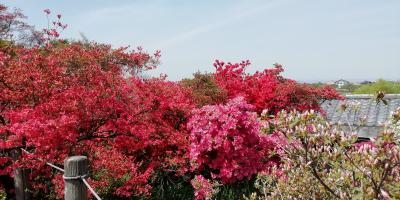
(91, 189)
(81, 177)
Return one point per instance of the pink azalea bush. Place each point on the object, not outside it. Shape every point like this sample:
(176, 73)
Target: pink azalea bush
(225, 139)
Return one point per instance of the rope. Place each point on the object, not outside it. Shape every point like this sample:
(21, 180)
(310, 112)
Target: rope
(74, 177)
(85, 182)
(47, 163)
(55, 167)
(91, 189)
(70, 177)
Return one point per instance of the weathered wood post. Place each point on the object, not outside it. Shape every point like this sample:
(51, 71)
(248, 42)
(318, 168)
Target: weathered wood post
(20, 179)
(74, 168)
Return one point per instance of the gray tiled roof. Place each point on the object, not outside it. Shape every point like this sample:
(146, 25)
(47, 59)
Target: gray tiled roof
(374, 113)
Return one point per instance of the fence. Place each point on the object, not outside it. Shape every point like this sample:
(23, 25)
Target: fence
(76, 169)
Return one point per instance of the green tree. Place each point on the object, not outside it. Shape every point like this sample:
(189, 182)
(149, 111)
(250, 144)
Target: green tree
(204, 89)
(387, 87)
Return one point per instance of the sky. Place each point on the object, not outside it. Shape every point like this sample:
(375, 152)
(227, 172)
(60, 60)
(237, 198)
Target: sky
(315, 40)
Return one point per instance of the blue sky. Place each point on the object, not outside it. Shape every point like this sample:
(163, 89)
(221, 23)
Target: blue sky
(315, 40)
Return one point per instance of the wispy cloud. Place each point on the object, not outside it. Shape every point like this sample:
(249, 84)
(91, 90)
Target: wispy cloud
(218, 23)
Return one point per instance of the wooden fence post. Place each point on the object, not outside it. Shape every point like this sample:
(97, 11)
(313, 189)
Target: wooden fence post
(20, 179)
(75, 189)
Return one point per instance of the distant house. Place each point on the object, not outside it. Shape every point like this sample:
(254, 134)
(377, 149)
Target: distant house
(369, 116)
(341, 83)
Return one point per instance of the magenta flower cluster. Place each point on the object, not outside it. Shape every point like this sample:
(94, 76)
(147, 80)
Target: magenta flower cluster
(225, 140)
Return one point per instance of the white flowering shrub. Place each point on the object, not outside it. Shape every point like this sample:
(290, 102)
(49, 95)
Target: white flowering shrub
(320, 161)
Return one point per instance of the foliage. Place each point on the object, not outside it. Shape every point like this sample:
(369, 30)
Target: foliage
(204, 89)
(236, 190)
(387, 87)
(350, 88)
(167, 185)
(3, 195)
(321, 161)
(318, 84)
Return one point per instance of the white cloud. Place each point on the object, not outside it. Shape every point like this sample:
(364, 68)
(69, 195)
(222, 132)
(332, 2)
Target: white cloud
(218, 23)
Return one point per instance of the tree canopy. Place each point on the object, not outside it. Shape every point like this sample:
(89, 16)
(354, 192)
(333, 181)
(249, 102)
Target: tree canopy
(385, 86)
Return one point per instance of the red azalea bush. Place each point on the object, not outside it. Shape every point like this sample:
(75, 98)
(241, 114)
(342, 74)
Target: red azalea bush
(225, 139)
(160, 126)
(70, 99)
(268, 89)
